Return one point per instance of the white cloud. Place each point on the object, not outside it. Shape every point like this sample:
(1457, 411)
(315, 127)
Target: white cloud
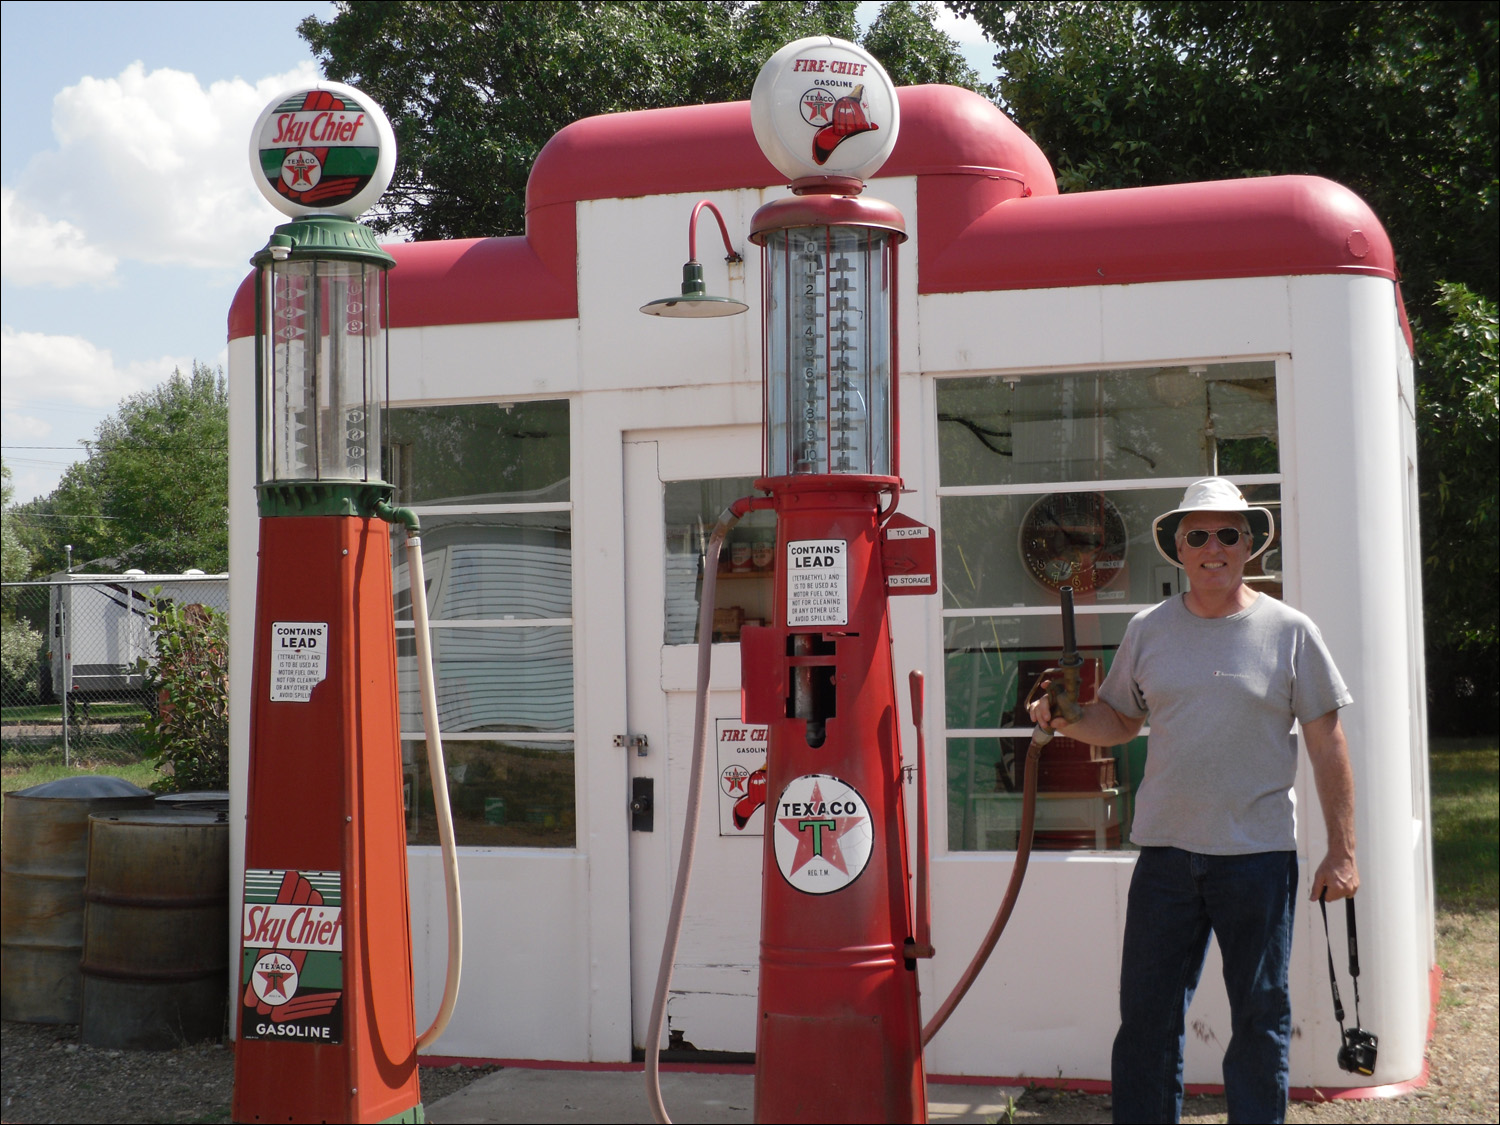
(154, 167)
(36, 250)
(25, 427)
(41, 368)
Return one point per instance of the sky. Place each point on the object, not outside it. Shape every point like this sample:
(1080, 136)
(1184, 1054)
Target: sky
(129, 215)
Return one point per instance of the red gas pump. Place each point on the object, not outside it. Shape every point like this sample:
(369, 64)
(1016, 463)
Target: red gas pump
(839, 1034)
(839, 1028)
(324, 1002)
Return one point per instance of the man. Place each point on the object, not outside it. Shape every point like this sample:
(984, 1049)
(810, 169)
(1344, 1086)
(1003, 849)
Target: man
(1223, 672)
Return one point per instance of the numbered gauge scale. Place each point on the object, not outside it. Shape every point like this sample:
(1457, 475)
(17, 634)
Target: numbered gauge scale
(829, 342)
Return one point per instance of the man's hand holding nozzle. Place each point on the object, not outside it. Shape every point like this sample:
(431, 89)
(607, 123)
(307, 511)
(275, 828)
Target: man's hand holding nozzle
(1040, 710)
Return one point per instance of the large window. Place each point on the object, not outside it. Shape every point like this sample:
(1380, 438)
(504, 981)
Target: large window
(490, 484)
(1053, 480)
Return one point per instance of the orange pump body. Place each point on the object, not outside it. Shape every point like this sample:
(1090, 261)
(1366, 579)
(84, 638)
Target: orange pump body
(324, 1005)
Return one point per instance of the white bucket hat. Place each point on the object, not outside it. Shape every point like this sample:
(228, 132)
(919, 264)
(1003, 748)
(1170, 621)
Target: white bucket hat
(1212, 494)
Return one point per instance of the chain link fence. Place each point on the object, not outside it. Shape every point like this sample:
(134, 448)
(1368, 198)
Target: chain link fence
(72, 670)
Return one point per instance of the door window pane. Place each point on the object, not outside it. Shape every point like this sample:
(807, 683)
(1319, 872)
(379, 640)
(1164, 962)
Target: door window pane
(747, 561)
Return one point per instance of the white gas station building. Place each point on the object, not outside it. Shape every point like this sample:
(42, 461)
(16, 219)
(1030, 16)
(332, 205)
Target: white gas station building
(1068, 364)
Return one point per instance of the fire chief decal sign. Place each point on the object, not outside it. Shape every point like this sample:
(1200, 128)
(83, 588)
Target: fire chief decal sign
(742, 777)
(823, 834)
(824, 107)
(292, 963)
(325, 150)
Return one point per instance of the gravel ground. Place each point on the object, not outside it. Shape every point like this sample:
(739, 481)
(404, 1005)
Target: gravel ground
(46, 1076)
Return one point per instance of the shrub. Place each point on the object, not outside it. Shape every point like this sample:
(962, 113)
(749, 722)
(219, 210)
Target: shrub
(188, 737)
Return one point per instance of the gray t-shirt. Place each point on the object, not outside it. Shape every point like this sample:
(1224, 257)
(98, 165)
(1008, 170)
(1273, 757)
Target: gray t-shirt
(1221, 694)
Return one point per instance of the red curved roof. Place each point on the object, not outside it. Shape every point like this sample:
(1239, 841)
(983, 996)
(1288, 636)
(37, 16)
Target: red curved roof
(1266, 227)
(989, 216)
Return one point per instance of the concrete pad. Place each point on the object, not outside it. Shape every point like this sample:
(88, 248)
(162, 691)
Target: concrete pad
(615, 1097)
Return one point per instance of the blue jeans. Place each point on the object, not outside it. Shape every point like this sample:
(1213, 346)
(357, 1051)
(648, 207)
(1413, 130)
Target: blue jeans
(1176, 899)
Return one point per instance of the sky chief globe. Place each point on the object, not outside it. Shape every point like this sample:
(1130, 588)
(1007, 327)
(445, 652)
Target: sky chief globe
(322, 149)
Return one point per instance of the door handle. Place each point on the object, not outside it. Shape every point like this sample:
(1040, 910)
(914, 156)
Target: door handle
(642, 804)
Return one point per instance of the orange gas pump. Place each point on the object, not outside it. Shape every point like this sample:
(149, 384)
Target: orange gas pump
(324, 1003)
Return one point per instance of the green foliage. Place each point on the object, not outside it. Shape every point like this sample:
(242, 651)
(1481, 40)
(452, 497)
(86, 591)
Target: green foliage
(475, 88)
(1459, 398)
(153, 492)
(20, 645)
(913, 51)
(189, 736)
(15, 559)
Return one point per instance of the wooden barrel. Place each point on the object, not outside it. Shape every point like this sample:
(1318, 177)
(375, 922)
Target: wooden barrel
(156, 929)
(45, 860)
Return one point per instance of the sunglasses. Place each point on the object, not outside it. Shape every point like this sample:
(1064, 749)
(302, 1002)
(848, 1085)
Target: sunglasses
(1228, 536)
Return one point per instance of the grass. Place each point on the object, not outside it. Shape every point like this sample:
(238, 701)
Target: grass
(38, 773)
(52, 712)
(1465, 776)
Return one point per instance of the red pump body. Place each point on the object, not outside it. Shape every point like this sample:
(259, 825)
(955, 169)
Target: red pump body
(324, 1004)
(839, 1036)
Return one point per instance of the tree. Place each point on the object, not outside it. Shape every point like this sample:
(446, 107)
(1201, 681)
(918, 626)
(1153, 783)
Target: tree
(1459, 401)
(475, 89)
(15, 559)
(153, 492)
(1395, 100)
(19, 643)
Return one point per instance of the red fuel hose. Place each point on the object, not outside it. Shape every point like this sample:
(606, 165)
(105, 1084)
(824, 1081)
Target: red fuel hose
(1039, 738)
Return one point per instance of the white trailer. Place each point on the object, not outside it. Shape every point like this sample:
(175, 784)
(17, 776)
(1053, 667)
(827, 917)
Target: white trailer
(99, 627)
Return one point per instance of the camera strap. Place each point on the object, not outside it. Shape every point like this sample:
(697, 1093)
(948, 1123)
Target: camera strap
(1333, 982)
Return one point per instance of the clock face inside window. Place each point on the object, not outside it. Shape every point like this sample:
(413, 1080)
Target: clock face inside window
(1074, 539)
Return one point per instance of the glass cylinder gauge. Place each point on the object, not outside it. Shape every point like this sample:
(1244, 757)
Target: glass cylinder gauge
(325, 370)
(828, 361)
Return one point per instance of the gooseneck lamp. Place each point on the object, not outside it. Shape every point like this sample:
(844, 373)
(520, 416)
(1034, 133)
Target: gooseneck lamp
(695, 300)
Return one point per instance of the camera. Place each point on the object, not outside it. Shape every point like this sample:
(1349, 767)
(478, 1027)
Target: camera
(1357, 1055)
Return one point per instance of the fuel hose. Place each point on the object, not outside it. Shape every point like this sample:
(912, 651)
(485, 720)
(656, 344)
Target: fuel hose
(1039, 738)
(727, 519)
(436, 767)
(1061, 686)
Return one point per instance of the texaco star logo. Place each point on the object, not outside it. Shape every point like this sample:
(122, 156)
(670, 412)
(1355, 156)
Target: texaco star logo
(274, 978)
(817, 107)
(823, 834)
(733, 779)
(301, 170)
